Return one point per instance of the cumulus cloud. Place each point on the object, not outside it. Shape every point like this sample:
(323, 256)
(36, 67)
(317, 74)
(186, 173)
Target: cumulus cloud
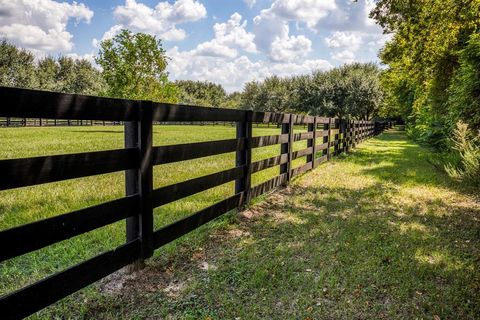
(233, 73)
(223, 59)
(272, 31)
(348, 22)
(41, 25)
(344, 56)
(350, 16)
(162, 20)
(90, 57)
(308, 11)
(342, 39)
(290, 48)
(230, 37)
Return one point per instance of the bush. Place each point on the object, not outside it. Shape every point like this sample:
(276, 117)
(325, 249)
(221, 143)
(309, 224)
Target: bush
(466, 149)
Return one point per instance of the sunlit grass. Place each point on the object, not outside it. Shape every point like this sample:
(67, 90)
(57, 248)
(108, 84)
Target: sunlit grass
(378, 234)
(25, 205)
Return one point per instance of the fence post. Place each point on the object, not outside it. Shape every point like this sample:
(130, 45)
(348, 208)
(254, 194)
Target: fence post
(244, 157)
(286, 148)
(312, 127)
(348, 136)
(138, 134)
(329, 156)
(336, 147)
(343, 139)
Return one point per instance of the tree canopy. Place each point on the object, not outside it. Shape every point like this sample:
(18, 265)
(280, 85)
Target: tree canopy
(349, 91)
(202, 93)
(133, 65)
(432, 76)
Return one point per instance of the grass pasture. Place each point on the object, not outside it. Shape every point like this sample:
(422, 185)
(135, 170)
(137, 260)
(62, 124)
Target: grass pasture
(24, 205)
(378, 234)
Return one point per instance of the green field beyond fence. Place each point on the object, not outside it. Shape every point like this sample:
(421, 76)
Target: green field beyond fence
(79, 203)
(21, 206)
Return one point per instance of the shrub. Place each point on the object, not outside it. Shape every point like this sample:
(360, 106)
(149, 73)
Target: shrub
(466, 148)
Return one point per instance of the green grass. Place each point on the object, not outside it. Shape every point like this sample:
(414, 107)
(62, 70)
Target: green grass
(378, 234)
(24, 205)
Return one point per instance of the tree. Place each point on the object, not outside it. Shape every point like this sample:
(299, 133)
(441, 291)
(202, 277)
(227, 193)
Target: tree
(17, 67)
(47, 71)
(201, 93)
(424, 58)
(349, 91)
(464, 92)
(274, 94)
(232, 101)
(87, 80)
(133, 66)
(70, 76)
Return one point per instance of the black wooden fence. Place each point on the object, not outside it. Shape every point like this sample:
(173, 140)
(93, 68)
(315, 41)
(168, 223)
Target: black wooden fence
(326, 137)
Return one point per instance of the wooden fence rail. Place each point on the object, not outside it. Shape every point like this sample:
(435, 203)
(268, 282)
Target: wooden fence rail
(326, 137)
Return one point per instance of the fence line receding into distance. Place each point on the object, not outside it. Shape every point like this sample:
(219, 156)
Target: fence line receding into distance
(326, 137)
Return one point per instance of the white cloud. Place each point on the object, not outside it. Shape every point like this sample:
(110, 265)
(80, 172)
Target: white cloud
(307, 11)
(41, 25)
(160, 21)
(350, 16)
(272, 31)
(233, 73)
(230, 37)
(344, 56)
(290, 48)
(222, 59)
(343, 39)
(215, 49)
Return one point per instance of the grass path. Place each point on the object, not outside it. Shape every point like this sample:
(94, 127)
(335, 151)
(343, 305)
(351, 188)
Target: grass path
(378, 234)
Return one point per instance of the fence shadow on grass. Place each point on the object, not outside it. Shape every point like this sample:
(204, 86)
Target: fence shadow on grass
(419, 257)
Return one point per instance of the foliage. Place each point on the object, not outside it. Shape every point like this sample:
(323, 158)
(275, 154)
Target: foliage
(467, 147)
(433, 59)
(464, 93)
(17, 68)
(133, 65)
(348, 91)
(70, 76)
(232, 100)
(201, 93)
(274, 94)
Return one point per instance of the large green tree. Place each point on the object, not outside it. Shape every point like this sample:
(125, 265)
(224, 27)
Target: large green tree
(201, 93)
(424, 57)
(349, 91)
(17, 67)
(69, 75)
(133, 65)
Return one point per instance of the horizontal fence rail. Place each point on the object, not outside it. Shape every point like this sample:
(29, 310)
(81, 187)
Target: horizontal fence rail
(325, 137)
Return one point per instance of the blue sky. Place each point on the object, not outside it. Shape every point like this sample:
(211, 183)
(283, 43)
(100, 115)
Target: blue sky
(230, 42)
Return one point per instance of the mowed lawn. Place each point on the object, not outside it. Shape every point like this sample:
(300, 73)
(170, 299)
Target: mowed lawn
(24, 205)
(378, 234)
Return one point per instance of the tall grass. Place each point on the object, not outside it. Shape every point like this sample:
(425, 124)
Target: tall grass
(465, 165)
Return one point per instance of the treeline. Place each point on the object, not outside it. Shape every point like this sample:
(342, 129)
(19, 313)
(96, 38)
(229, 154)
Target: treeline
(350, 91)
(433, 75)
(18, 68)
(132, 66)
